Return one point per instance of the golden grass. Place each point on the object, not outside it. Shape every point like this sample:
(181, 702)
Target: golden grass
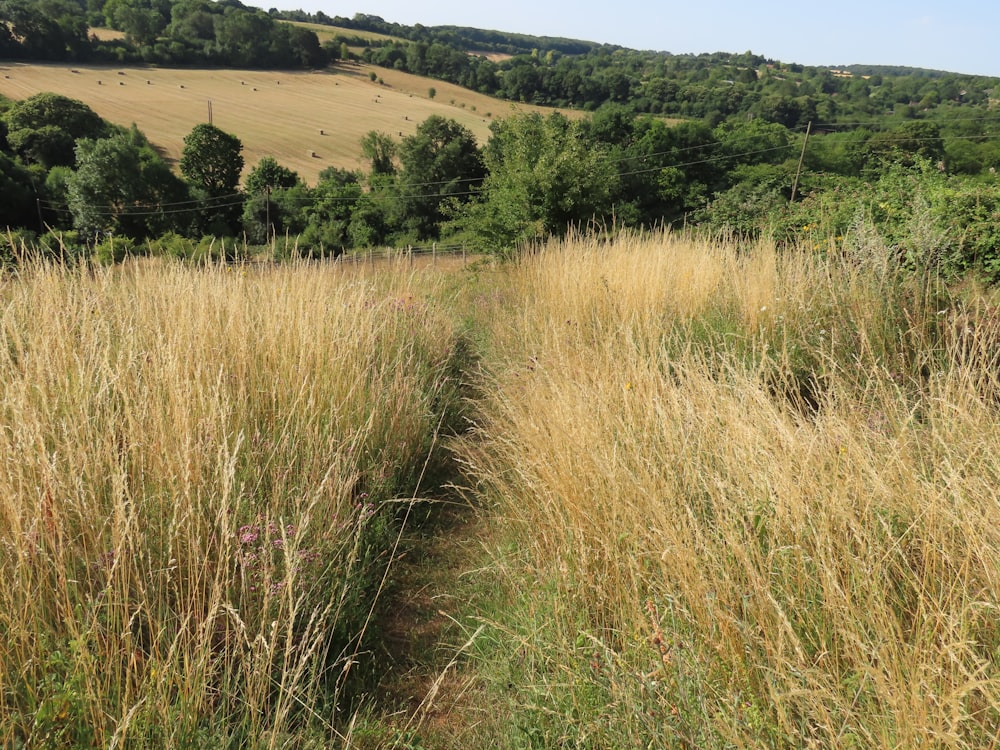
(199, 472)
(325, 33)
(306, 120)
(713, 563)
(106, 35)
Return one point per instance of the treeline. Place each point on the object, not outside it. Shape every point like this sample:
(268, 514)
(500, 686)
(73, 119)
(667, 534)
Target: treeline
(708, 86)
(711, 86)
(188, 32)
(460, 37)
(71, 179)
(539, 70)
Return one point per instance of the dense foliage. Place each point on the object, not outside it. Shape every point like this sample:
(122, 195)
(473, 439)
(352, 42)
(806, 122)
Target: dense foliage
(572, 73)
(185, 32)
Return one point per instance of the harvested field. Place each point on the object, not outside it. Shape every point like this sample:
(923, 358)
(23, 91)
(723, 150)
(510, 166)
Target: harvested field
(306, 120)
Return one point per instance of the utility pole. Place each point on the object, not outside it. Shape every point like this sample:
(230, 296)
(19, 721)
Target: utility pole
(267, 210)
(209, 111)
(802, 156)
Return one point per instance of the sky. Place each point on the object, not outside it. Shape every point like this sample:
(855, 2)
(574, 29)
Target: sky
(961, 36)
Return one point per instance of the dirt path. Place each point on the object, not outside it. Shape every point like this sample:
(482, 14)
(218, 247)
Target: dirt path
(428, 696)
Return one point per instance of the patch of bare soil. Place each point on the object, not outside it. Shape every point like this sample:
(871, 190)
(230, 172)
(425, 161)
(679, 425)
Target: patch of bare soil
(429, 691)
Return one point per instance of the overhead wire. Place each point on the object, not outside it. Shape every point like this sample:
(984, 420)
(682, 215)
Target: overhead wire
(235, 199)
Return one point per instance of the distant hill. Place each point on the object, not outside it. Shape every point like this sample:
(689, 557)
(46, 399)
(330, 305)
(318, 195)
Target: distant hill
(307, 121)
(522, 68)
(571, 73)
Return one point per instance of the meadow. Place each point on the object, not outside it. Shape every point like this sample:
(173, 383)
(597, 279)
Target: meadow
(203, 473)
(747, 498)
(307, 121)
(726, 496)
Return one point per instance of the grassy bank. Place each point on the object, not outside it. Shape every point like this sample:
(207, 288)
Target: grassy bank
(203, 471)
(747, 499)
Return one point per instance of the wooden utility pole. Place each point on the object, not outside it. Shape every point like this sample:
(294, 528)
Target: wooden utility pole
(802, 156)
(267, 212)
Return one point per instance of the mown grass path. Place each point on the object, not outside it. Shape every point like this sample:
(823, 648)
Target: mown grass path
(428, 692)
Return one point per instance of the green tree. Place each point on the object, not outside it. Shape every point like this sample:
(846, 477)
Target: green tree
(275, 201)
(380, 149)
(269, 174)
(370, 224)
(44, 128)
(910, 142)
(667, 171)
(120, 186)
(44, 29)
(242, 38)
(17, 209)
(329, 212)
(544, 175)
(440, 165)
(142, 21)
(212, 161)
(272, 215)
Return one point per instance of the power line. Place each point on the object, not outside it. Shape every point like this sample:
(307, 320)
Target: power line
(235, 199)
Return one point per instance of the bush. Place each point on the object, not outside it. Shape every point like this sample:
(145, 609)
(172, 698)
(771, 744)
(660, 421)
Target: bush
(116, 249)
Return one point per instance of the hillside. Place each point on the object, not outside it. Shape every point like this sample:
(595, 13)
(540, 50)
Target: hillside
(306, 120)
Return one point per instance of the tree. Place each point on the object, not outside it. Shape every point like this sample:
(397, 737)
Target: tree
(910, 142)
(330, 211)
(666, 171)
(270, 215)
(44, 29)
(266, 212)
(17, 209)
(43, 128)
(242, 37)
(303, 46)
(440, 164)
(142, 21)
(543, 177)
(269, 174)
(121, 185)
(380, 150)
(212, 161)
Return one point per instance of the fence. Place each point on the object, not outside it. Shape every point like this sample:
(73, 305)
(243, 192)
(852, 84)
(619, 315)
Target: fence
(408, 253)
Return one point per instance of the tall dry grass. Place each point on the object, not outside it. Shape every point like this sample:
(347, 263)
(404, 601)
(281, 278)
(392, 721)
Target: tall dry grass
(753, 497)
(198, 471)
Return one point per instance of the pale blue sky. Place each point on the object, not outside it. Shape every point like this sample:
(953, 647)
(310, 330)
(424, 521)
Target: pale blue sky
(962, 36)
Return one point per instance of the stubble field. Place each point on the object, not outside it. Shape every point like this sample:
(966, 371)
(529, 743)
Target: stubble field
(306, 120)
